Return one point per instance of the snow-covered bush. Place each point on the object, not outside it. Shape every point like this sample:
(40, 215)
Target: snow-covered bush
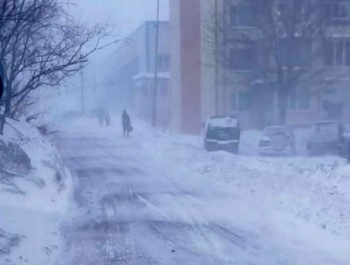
(14, 158)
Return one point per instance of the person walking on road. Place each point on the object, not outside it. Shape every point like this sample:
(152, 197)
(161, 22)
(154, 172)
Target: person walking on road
(107, 118)
(100, 115)
(126, 122)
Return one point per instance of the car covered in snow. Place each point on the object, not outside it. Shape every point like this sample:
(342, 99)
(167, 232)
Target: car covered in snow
(325, 138)
(222, 133)
(277, 140)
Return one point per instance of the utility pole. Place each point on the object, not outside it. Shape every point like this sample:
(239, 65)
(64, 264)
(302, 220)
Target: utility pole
(216, 60)
(82, 89)
(155, 81)
(94, 88)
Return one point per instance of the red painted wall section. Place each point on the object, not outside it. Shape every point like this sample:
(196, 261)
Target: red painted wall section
(190, 34)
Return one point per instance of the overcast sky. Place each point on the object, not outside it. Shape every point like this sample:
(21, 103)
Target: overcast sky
(125, 15)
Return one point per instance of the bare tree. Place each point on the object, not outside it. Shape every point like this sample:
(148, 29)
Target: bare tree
(42, 45)
(282, 41)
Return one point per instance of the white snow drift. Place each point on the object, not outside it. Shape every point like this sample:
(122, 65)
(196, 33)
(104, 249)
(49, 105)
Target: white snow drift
(30, 222)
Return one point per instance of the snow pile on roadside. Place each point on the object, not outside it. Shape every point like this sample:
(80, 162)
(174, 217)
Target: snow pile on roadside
(315, 190)
(30, 219)
(297, 205)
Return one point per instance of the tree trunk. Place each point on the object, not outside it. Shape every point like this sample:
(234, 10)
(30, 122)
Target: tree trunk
(3, 119)
(282, 106)
(262, 106)
(2, 124)
(7, 110)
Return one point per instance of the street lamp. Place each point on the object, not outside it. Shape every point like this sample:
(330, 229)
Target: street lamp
(155, 85)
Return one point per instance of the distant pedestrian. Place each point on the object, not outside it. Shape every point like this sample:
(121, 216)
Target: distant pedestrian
(107, 118)
(126, 122)
(100, 115)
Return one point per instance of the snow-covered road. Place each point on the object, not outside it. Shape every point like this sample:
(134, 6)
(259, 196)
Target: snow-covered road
(134, 208)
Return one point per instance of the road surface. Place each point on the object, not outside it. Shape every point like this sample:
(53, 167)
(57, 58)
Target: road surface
(131, 211)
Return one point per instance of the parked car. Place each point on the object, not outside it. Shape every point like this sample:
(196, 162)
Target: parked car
(325, 138)
(222, 133)
(277, 140)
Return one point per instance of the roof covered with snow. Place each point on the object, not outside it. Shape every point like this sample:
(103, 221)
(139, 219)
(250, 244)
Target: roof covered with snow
(150, 76)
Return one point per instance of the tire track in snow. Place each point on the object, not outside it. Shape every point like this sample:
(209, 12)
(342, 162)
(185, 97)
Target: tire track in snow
(201, 227)
(119, 245)
(198, 234)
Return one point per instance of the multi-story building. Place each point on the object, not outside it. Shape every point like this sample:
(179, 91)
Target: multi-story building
(209, 75)
(131, 75)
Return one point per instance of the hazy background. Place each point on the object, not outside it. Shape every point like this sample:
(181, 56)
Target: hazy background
(124, 16)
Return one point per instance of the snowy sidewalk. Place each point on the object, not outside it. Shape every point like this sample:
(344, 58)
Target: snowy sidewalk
(30, 222)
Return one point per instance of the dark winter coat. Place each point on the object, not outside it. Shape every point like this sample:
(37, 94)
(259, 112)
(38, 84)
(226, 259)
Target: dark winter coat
(107, 118)
(126, 120)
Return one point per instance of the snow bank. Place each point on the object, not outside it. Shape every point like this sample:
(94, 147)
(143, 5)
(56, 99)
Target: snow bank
(304, 199)
(314, 189)
(301, 202)
(34, 217)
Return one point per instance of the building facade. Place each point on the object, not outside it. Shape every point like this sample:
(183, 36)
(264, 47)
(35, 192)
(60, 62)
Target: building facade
(132, 74)
(210, 77)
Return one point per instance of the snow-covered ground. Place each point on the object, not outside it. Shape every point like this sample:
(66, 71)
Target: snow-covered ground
(314, 189)
(30, 221)
(282, 210)
(304, 199)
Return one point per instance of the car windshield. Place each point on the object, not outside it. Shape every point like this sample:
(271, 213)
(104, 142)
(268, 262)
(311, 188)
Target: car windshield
(174, 132)
(326, 128)
(276, 130)
(223, 122)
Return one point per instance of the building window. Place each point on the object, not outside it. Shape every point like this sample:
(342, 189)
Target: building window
(299, 99)
(295, 8)
(337, 9)
(332, 103)
(243, 58)
(242, 15)
(299, 48)
(337, 53)
(240, 102)
(163, 62)
(163, 88)
(233, 102)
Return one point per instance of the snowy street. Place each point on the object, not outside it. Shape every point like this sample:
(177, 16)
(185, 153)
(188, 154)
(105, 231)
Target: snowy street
(138, 205)
(174, 132)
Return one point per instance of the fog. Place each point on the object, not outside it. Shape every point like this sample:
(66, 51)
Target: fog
(219, 134)
(123, 17)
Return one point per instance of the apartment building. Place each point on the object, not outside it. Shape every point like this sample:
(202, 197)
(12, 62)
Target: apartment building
(209, 77)
(131, 75)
